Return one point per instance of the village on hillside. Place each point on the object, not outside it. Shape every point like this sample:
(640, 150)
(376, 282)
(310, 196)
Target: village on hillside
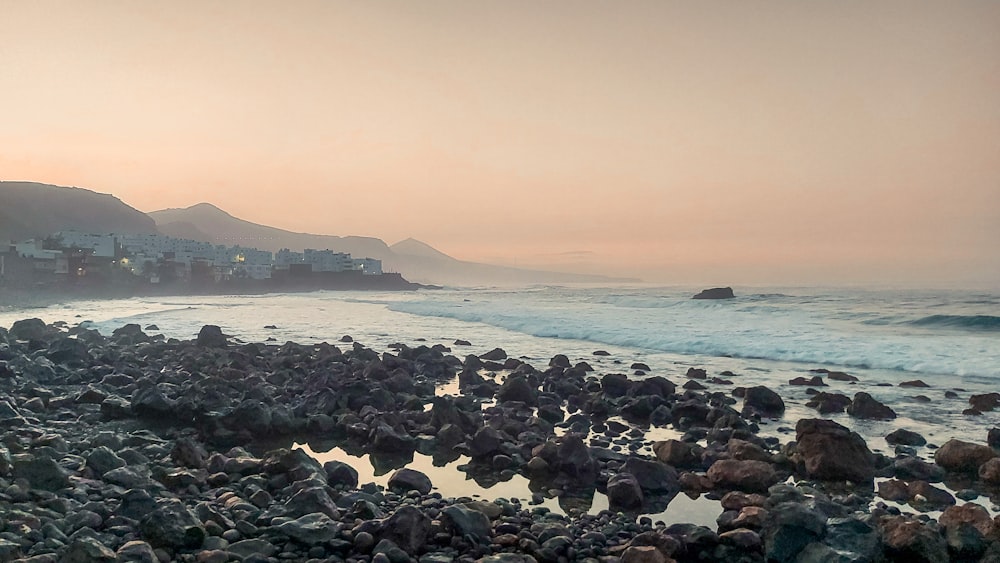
(71, 257)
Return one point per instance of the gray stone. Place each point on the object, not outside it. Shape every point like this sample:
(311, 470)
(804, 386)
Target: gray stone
(311, 529)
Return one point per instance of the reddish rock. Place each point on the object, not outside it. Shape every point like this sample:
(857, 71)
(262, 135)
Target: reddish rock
(963, 457)
(968, 513)
(990, 471)
(912, 541)
(831, 452)
(736, 500)
(677, 453)
(751, 476)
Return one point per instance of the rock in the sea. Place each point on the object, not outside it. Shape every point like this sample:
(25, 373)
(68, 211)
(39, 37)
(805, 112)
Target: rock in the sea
(763, 401)
(963, 457)
(653, 476)
(210, 336)
(865, 406)
(831, 452)
(905, 437)
(716, 293)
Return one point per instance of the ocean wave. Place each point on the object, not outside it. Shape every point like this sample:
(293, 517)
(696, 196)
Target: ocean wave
(968, 322)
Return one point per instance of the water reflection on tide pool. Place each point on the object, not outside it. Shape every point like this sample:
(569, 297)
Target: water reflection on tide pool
(451, 481)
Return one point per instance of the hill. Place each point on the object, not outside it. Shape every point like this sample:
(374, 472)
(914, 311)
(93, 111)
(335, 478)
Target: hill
(30, 209)
(416, 260)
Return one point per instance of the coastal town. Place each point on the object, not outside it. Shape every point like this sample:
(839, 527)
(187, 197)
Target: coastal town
(72, 258)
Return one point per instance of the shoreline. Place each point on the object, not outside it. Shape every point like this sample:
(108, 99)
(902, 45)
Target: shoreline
(178, 426)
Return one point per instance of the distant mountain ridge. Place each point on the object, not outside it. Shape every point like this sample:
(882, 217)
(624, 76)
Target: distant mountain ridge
(30, 209)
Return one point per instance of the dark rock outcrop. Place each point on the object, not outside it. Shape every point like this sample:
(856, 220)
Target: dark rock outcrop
(715, 293)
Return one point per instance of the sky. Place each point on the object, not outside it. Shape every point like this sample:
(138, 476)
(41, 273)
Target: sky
(770, 142)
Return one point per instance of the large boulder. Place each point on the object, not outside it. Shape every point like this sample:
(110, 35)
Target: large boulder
(750, 476)
(715, 293)
(407, 527)
(461, 521)
(909, 540)
(865, 406)
(211, 336)
(762, 401)
(405, 480)
(311, 529)
(963, 457)
(653, 476)
(790, 528)
(831, 452)
(28, 329)
(624, 491)
(517, 388)
(172, 525)
(42, 473)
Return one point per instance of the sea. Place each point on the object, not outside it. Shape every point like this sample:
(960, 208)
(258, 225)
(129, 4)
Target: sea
(947, 339)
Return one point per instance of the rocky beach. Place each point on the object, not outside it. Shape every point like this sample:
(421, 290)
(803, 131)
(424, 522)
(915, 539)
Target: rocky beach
(138, 447)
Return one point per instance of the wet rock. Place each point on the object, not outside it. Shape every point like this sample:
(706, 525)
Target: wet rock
(715, 293)
(790, 529)
(696, 373)
(485, 443)
(311, 529)
(653, 476)
(827, 403)
(210, 336)
(985, 402)
(310, 500)
(840, 376)
(28, 329)
(762, 401)
(750, 476)
(677, 453)
(462, 521)
(172, 525)
(913, 468)
(404, 480)
(517, 388)
(905, 437)
(963, 457)
(969, 513)
(614, 385)
(989, 471)
(911, 540)
(624, 491)
(831, 452)
(494, 355)
(814, 381)
(913, 383)
(864, 406)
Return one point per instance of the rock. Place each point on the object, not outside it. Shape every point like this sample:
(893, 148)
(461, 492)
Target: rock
(614, 385)
(911, 540)
(715, 293)
(624, 491)
(28, 329)
(486, 442)
(913, 383)
(172, 525)
(340, 473)
(42, 473)
(189, 453)
(150, 402)
(462, 521)
(210, 336)
(311, 529)
(86, 549)
(814, 381)
(643, 554)
(763, 401)
(840, 376)
(653, 476)
(749, 476)
(102, 459)
(831, 452)
(310, 500)
(791, 527)
(696, 373)
(914, 468)
(827, 403)
(963, 457)
(989, 471)
(864, 406)
(517, 388)
(404, 480)
(985, 402)
(246, 548)
(677, 453)
(494, 355)
(137, 551)
(905, 437)
(969, 513)
(573, 458)
(407, 527)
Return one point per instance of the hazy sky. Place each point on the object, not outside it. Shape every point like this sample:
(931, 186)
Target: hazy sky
(727, 142)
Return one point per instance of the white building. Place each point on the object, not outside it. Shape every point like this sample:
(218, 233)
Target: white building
(286, 257)
(328, 260)
(104, 246)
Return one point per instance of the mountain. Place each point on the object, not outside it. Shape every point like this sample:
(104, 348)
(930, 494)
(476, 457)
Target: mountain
(416, 260)
(211, 224)
(30, 209)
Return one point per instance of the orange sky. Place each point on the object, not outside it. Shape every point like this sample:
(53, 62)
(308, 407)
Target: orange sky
(724, 142)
